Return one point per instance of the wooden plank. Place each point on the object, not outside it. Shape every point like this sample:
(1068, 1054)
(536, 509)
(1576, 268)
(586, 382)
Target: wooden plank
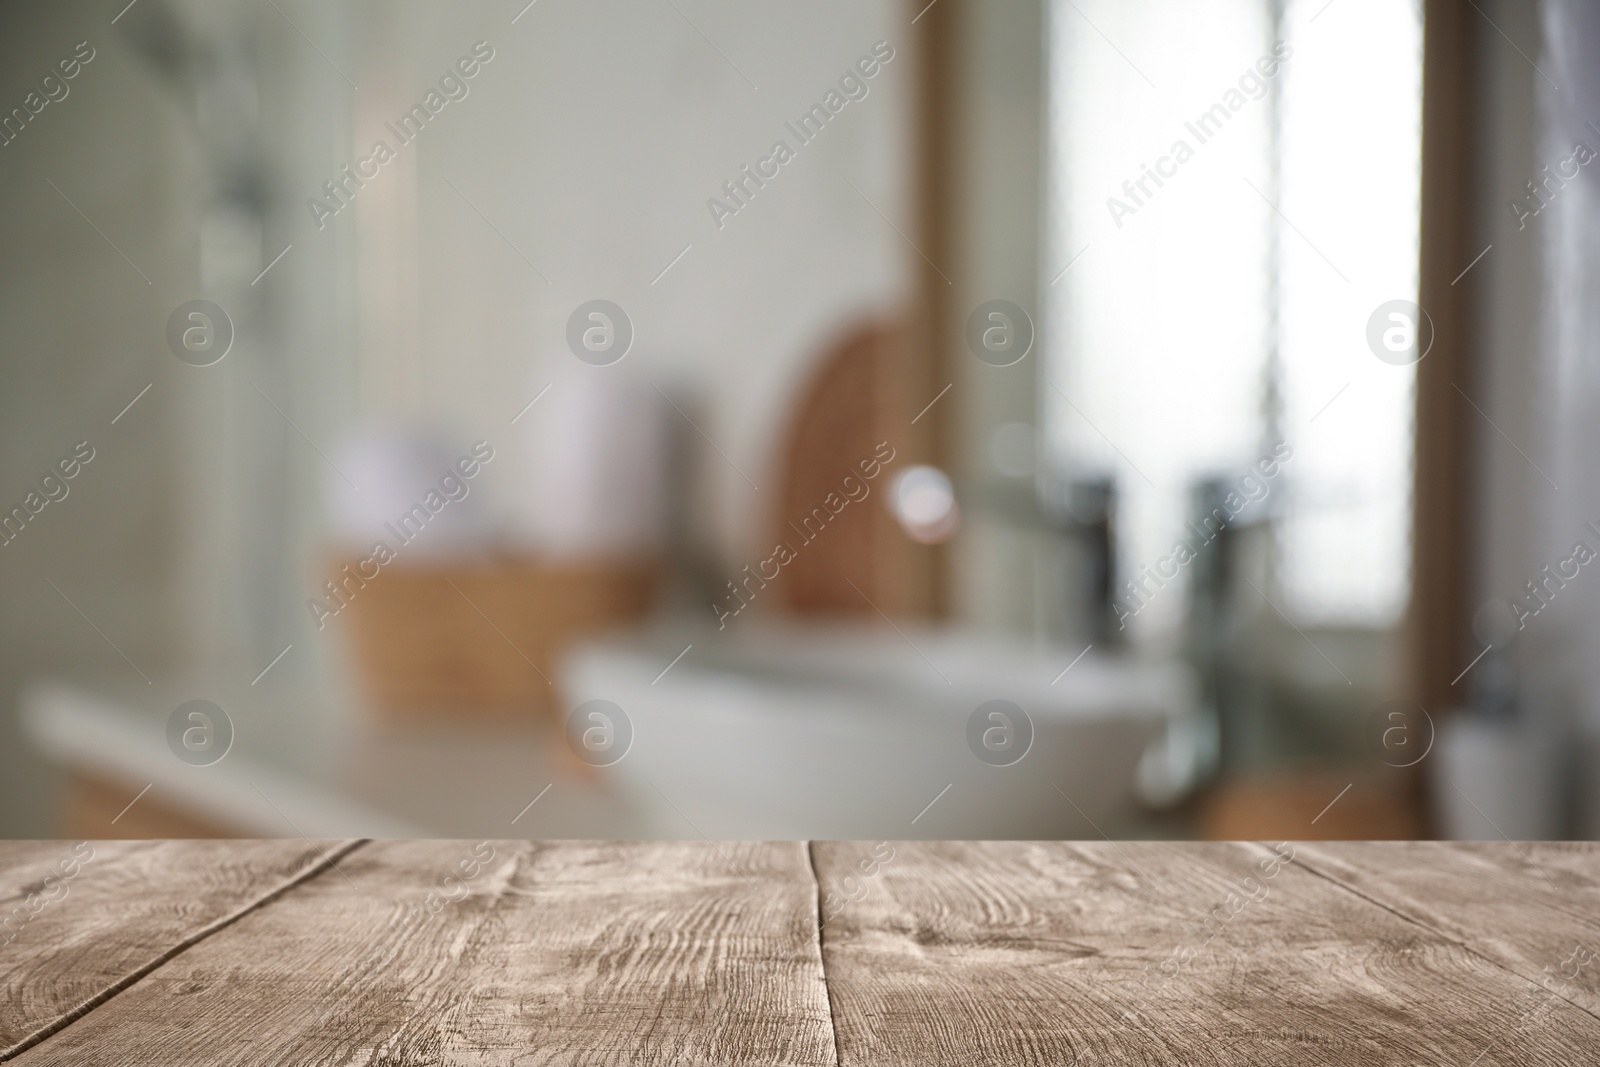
(1533, 906)
(553, 952)
(80, 921)
(957, 953)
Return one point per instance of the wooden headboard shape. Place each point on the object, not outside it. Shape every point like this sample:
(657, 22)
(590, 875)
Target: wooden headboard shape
(850, 434)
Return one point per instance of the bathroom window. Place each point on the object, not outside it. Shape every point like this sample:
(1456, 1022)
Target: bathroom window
(1231, 198)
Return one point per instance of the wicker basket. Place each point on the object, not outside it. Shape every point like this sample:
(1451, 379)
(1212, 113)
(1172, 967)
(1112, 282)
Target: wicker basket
(479, 640)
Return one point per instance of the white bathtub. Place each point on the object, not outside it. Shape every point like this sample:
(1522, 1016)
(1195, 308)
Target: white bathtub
(809, 733)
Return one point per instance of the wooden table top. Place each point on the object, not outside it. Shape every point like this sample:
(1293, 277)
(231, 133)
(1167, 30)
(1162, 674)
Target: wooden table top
(813, 954)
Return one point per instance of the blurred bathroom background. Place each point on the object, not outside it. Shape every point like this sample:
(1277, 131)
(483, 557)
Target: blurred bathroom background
(823, 418)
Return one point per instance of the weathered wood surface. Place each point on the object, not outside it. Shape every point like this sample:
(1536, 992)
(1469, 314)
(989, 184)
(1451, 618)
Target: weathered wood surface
(1533, 906)
(1058, 953)
(838, 953)
(79, 920)
(555, 952)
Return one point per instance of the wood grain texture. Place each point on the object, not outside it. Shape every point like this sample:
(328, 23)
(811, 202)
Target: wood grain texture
(1533, 907)
(664, 953)
(1060, 953)
(78, 921)
(696, 954)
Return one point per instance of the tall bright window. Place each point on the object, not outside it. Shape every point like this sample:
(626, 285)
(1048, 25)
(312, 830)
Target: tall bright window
(1233, 191)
